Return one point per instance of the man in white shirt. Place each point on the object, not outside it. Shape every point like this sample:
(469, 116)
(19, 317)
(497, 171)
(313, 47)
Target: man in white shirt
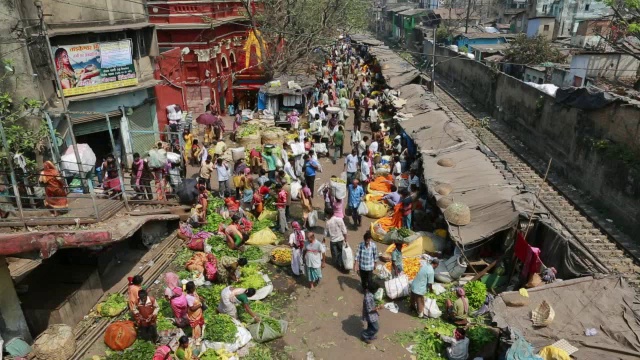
(373, 114)
(336, 231)
(351, 165)
(356, 137)
(223, 177)
(365, 171)
(289, 169)
(362, 146)
(373, 147)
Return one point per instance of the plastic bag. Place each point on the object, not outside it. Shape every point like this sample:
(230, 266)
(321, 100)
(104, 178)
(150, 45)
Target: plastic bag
(362, 208)
(268, 333)
(174, 158)
(295, 190)
(431, 308)
(313, 218)
(347, 257)
(376, 209)
(397, 287)
(269, 215)
(379, 295)
(279, 163)
(383, 273)
(438, 289)
(339, 189)
(262, 237)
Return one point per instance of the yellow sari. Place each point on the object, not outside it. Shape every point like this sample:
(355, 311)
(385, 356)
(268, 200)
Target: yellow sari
(188, 143)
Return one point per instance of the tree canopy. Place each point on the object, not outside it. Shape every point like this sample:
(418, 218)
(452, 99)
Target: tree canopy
(290, 31)
(532, 51)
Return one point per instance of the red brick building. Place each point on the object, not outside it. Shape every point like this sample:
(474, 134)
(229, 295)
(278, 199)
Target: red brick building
(204, 59)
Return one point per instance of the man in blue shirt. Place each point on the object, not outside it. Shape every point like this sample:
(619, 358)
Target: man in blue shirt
(309, 168)
(356, 193)
(421, 284)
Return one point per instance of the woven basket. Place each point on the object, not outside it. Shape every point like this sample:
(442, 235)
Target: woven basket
(458, 214)
(279, 263)
(273, 136)
(444, 189)
(543, 314)
(444, 202)
(56, 343)
(447, 162)
(250, 142)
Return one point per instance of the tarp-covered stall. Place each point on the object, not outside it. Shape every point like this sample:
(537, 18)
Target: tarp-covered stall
(606, 305)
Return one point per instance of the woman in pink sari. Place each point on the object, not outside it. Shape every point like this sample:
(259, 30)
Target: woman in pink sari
(177, 299)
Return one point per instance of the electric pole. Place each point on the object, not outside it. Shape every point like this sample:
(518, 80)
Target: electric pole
(466, 21)
(433, 63)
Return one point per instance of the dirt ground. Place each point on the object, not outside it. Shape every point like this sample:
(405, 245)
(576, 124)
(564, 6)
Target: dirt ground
(326, 321)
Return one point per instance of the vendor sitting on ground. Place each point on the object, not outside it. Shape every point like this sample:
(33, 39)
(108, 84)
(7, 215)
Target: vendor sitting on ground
(392, 198)
(197, 217)
(459, 345)
(235, 238)
(230, 201)
(457, 311)
(229, 269)
(230, 297)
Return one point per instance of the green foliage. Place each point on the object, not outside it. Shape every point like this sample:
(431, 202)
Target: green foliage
(220, 328)
(428, 344)
(463, 49)
(114, 305)
(182, 257)
(260, 308)
(532, 51)
(140, 350)
(476, 293)
(442, 34)
(479, 336)
(211, 295)
(259, 352)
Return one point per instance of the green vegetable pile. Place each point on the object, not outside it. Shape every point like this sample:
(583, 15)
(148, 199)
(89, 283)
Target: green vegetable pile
(479, 336)
(250, 278)
(140, 350)
(260, 308)
(272, 323)
(165, 308)
(211, 294)
(164, 323)
(428, 344)
(476, 293)
(114, 305)
(442, 298)
(182, 257)
(214, 220)
(210, 354)
(247, 130)
(252, 253)
(215, 202)
(404, 232)
(259, 352)
(262, 224)
(220, 328)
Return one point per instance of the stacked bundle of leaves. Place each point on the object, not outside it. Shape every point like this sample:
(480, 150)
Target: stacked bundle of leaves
(211, 295)
(428, 344)
(140, 350)
(476, 293)
(114, 305)
(219, 328)
(260, 308)
(479, 336)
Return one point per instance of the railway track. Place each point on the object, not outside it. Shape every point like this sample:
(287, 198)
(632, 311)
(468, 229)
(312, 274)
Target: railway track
(616, 252)
(89, 332)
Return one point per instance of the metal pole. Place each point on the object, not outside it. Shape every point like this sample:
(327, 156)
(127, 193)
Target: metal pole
(433, 63)
(466, 21)
(14, 182)
(113, 146)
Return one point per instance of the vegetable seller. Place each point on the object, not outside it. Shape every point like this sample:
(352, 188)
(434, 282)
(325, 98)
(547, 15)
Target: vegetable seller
(458, 310)
(271, 165)
(397, 267)
(366, 260)
(178, 301)
(235, 238)
(229, 268)
(296, 241)
(281, 205)
(459, 345)
(421, 284)
(196, 311)
(163, 352)
(146, 313)
(135, 285)
(230, 297)
(314, 256)
(184, 350)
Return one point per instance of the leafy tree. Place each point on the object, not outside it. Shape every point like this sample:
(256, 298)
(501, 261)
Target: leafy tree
(291, 31)
(625, 23)
(532, 51)
(24, 135)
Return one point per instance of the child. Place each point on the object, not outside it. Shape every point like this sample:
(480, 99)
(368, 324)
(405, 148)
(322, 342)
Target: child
(370, 313)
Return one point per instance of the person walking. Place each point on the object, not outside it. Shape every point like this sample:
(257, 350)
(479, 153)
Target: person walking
(223, 177)
(296, 241)
(421, 284)
(338, 142)
(314, 259)
(336, 231)
(310, 168)
(365, 260)
(206, 170)
(281, 205)
(351, 165)
(370, 313)
(356, 195)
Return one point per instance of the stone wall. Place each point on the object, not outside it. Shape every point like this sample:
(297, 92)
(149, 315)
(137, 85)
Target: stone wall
(598, 151)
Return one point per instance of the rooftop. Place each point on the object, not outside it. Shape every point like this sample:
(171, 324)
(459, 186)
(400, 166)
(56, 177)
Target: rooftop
(412, 12)
(492, 47)
(487, 36)
(453, 14)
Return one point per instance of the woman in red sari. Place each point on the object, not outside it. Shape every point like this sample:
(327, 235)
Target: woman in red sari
(54, 188)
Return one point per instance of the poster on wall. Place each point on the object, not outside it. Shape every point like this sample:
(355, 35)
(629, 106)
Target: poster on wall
(95, 67)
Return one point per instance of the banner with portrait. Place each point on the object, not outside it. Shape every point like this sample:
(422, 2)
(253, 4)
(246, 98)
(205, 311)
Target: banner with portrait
(95, 67)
